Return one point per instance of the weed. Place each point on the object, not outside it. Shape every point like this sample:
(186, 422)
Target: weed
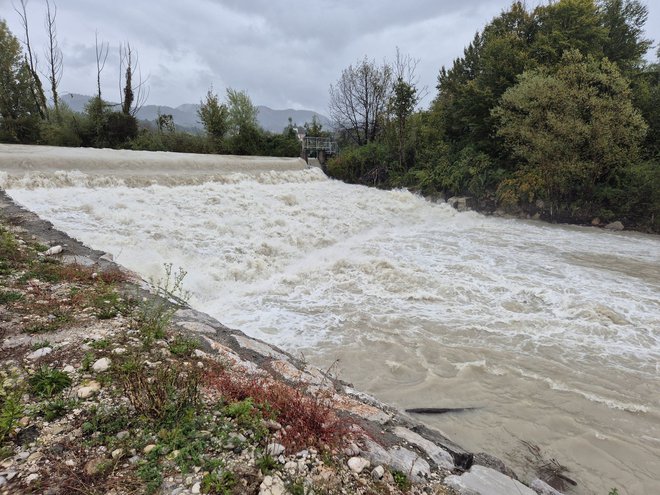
(57, 408)
(8, 246)
(10, 296)
(266, 463)
(100, 344)
(309, 419)
(154, 314)
(613, 491)
(150, 473)
(88, 359)
(107, 302)
(47, 382)
(40, 345)
(164, 393)
(296, 487)
(401, 481)
(11, 410)
(183, 346)
(56, 320)
(220, 484)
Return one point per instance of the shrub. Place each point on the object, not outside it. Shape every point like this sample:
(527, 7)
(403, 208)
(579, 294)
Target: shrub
(309, 420)
(164, 394)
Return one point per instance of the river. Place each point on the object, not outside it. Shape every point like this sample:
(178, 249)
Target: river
(551, 332)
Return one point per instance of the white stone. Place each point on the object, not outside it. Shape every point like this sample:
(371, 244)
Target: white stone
(480, 480)
(542, 488)
(119, 350)
(39, 353)
(275, 449)
(149, 448)
(378, 472)
(437, 454)
(69, 369)
(272, 485)
(196, 488)
(31, 478)
(89, 389)
(52, 251)
(614, 226)
(409, 462)
(101, 365)
(117, 453)
(358, 464)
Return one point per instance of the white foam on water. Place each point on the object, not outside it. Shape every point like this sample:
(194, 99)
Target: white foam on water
(316, 265)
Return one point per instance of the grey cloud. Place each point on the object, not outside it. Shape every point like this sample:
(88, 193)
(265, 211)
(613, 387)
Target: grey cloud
(282, 53)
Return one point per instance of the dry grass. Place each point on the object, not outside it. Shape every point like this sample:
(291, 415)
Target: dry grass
(307, 419)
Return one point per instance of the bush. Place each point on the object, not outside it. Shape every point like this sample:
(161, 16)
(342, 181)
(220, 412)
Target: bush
(355, 164)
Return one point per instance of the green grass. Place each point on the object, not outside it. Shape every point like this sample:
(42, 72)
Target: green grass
(40, 345)
(182, 346)
(57, 408)
(47, 382)
(401, 481)
(10, 296)
(221, 484)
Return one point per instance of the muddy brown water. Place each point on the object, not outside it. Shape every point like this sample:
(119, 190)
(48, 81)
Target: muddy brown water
(552, 333)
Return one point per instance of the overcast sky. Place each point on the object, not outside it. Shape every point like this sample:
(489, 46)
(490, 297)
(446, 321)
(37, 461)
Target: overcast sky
(285, 54)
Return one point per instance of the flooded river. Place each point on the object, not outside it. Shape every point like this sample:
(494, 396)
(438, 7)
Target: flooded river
(552, 333)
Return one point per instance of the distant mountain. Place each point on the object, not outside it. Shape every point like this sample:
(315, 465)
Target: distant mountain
(185, 116)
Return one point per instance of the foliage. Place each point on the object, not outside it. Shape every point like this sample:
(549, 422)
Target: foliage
(155, 313)
(244, 133)
(183, 346)
(19, 113)
(571, 128)
(401, 481)
(46, 382)
(354, 163)
(214, 117)
(57, 408)
(11, 410)
(164, 394)
(9, 296)
(220, 484)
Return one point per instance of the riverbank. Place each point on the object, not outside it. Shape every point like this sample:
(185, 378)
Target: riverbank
(108, 389)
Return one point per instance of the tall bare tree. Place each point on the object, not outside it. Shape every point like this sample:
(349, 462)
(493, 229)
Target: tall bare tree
(53, 55)
(36, 87)
(358, 101)
(101, 57)
(133, 91)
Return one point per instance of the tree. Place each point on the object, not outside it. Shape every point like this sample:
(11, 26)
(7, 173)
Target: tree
(132, 95)
(19, 114)
(214, 117)
(624, 21)
(53, 56)
(243, 127)
(571, 128)
(101, 52)
(358, 100)
(36, 88)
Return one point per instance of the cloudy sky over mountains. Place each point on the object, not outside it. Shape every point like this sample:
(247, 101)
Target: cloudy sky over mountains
(285, 54)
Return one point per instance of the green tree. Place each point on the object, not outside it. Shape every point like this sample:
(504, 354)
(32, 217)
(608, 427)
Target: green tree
(245, 134)
(624, 21)
(19, 113)
(402, 104)
(571, 129)
(214, 117)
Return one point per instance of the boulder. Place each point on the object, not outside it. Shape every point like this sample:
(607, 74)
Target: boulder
(461, 203)
(101, 365)
(542, 488)
(358, 464)
(409, 462)
(614, 226)
(480, 480)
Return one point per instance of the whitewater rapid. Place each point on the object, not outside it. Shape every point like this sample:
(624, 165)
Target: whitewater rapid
(551, 332)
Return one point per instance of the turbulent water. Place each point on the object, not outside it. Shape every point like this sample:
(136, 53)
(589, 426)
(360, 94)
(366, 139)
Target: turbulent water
(551, 332)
